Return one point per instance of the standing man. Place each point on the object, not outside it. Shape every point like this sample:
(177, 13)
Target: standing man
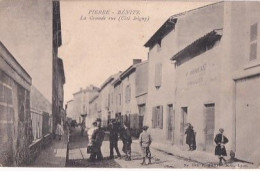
(145, 141)
(113, 139)
(220, 149)
(127, 141)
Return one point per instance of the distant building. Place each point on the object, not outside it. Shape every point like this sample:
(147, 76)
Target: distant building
(58, 75)
(132, 84)
(81, 102)
(106, 99)
(70, 110)
(15, 119)
(94, 110)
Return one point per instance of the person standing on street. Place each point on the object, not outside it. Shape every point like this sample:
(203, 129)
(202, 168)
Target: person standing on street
(97, 140)
(145, 141)
(220, 149)
(113, 139)
(127, 141)
(190, 138)
(59, 131)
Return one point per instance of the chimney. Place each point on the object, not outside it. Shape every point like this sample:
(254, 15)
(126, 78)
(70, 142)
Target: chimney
(136, 61)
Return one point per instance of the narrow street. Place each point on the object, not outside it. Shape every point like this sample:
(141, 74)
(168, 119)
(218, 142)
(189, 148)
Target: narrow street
(78, 156)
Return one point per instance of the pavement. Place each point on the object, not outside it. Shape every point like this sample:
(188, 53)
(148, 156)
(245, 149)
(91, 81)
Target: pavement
(54, 155)
(162, 156)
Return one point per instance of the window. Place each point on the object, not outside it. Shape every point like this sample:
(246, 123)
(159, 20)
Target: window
(158, 75)
(157, 117)
(119, 99)
(253, 42)
(128, 94)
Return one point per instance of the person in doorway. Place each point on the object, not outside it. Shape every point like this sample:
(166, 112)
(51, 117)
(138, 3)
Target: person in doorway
(113, 139)
(127, 141)
(59, 131)
(97, 139)
(145, 141)
(190, 138)
(220, 149)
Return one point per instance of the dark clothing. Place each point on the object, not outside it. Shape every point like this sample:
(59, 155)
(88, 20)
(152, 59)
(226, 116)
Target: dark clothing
(126, 135)
(127, 141)
(190, 138)
(127, 149)
(113, 139)
(97, 140)
(220, 141)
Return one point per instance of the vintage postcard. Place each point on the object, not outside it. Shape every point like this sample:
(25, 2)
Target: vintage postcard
(130, 84)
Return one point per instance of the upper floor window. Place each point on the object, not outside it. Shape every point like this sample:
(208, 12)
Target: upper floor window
(158, 75)
(128, 94)
(253, 42)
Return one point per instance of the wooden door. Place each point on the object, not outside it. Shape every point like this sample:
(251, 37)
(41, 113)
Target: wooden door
(184, 113)
(209, 126)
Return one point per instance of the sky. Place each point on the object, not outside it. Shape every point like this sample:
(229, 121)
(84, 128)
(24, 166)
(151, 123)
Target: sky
(92, 50)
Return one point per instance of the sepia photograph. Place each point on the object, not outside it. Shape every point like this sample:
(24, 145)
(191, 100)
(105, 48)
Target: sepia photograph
(130, 84)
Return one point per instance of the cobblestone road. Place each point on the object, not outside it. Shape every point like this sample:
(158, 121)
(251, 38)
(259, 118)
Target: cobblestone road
(78, 156)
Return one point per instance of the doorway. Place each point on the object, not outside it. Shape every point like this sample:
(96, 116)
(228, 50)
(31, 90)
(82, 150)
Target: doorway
(171, 123)
(209, 126)
(184, 114)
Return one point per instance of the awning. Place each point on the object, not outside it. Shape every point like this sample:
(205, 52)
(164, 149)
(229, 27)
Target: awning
(200, 45)
(161, 32)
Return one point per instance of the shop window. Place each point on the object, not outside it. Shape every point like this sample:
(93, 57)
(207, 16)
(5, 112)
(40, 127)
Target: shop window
(157, 117)
(253, 42)
(158, 75)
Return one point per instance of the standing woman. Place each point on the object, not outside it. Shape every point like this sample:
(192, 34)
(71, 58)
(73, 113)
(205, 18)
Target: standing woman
(220, 149)
(190, 138)
(59, 131)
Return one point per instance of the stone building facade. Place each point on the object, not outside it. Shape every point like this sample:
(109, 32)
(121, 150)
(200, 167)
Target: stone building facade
(15, 119)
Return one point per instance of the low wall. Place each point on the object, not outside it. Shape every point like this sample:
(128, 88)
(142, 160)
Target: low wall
(36, 147)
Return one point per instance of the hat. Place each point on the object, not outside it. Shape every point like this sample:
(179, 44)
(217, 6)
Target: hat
(145, 127)
(221, 130)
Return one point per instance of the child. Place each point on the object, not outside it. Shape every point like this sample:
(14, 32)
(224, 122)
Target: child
(145, 142)
(220, 149)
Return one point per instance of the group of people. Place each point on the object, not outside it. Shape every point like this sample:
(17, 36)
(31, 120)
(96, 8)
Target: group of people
(117, 131)
(220, 141)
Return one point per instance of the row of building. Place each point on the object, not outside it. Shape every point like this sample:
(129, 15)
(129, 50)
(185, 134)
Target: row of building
(27, 117)
(203, 68)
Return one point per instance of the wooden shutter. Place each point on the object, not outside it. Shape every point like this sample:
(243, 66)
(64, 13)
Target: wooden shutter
(154, 120)
(161, 116)
(158, 75)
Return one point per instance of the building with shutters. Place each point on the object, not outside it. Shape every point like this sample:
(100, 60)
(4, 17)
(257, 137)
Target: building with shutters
(130, 91)
(211, 80)
(94, 110)
(81, 101)
(106, 99)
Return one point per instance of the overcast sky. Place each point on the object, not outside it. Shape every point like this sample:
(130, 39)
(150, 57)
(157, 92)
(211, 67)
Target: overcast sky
(94, 50)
